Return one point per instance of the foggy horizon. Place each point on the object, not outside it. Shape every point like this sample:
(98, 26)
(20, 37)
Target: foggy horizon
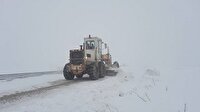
(37, 35)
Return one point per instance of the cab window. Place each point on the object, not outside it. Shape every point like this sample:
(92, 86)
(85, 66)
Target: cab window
(90, 45)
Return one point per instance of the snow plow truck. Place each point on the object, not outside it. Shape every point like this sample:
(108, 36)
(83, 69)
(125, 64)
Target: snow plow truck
(93, 58)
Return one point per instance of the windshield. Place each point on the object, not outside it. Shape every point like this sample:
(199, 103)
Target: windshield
(90, 44)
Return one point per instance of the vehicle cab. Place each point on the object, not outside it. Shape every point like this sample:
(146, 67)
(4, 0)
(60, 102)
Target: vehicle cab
(93, 49)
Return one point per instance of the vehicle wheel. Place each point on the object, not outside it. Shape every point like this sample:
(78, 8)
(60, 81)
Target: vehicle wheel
(79, 76)
(116, 64)
(68, 75)
(93, 72)
(102, 70)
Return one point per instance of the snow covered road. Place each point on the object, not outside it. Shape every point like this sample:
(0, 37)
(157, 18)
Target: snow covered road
(20, 83)
(10, 77)
(132, 89)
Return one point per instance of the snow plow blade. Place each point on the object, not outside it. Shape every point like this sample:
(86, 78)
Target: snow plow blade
(111, 72)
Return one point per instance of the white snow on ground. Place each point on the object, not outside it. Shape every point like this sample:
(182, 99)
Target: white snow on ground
(132, 90)
(25, 84)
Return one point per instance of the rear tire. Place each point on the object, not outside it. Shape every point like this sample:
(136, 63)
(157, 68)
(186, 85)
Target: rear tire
(67, 74)
(93, 72)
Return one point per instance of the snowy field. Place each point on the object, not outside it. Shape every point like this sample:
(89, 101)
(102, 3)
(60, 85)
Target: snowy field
(156, 40)
(144, 89)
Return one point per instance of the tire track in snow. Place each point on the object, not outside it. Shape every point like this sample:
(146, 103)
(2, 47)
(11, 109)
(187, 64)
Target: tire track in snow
(6, 99)
(12, 98)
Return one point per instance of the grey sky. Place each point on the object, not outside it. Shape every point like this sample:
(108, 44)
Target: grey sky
(35, 35)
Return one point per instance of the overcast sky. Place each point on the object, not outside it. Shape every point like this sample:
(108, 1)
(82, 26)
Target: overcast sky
(35, 35)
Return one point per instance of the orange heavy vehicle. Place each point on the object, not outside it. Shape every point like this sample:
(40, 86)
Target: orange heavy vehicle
(89, 59)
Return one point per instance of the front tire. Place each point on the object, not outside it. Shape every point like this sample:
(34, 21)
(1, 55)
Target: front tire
(116, 64)
(67, 74)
